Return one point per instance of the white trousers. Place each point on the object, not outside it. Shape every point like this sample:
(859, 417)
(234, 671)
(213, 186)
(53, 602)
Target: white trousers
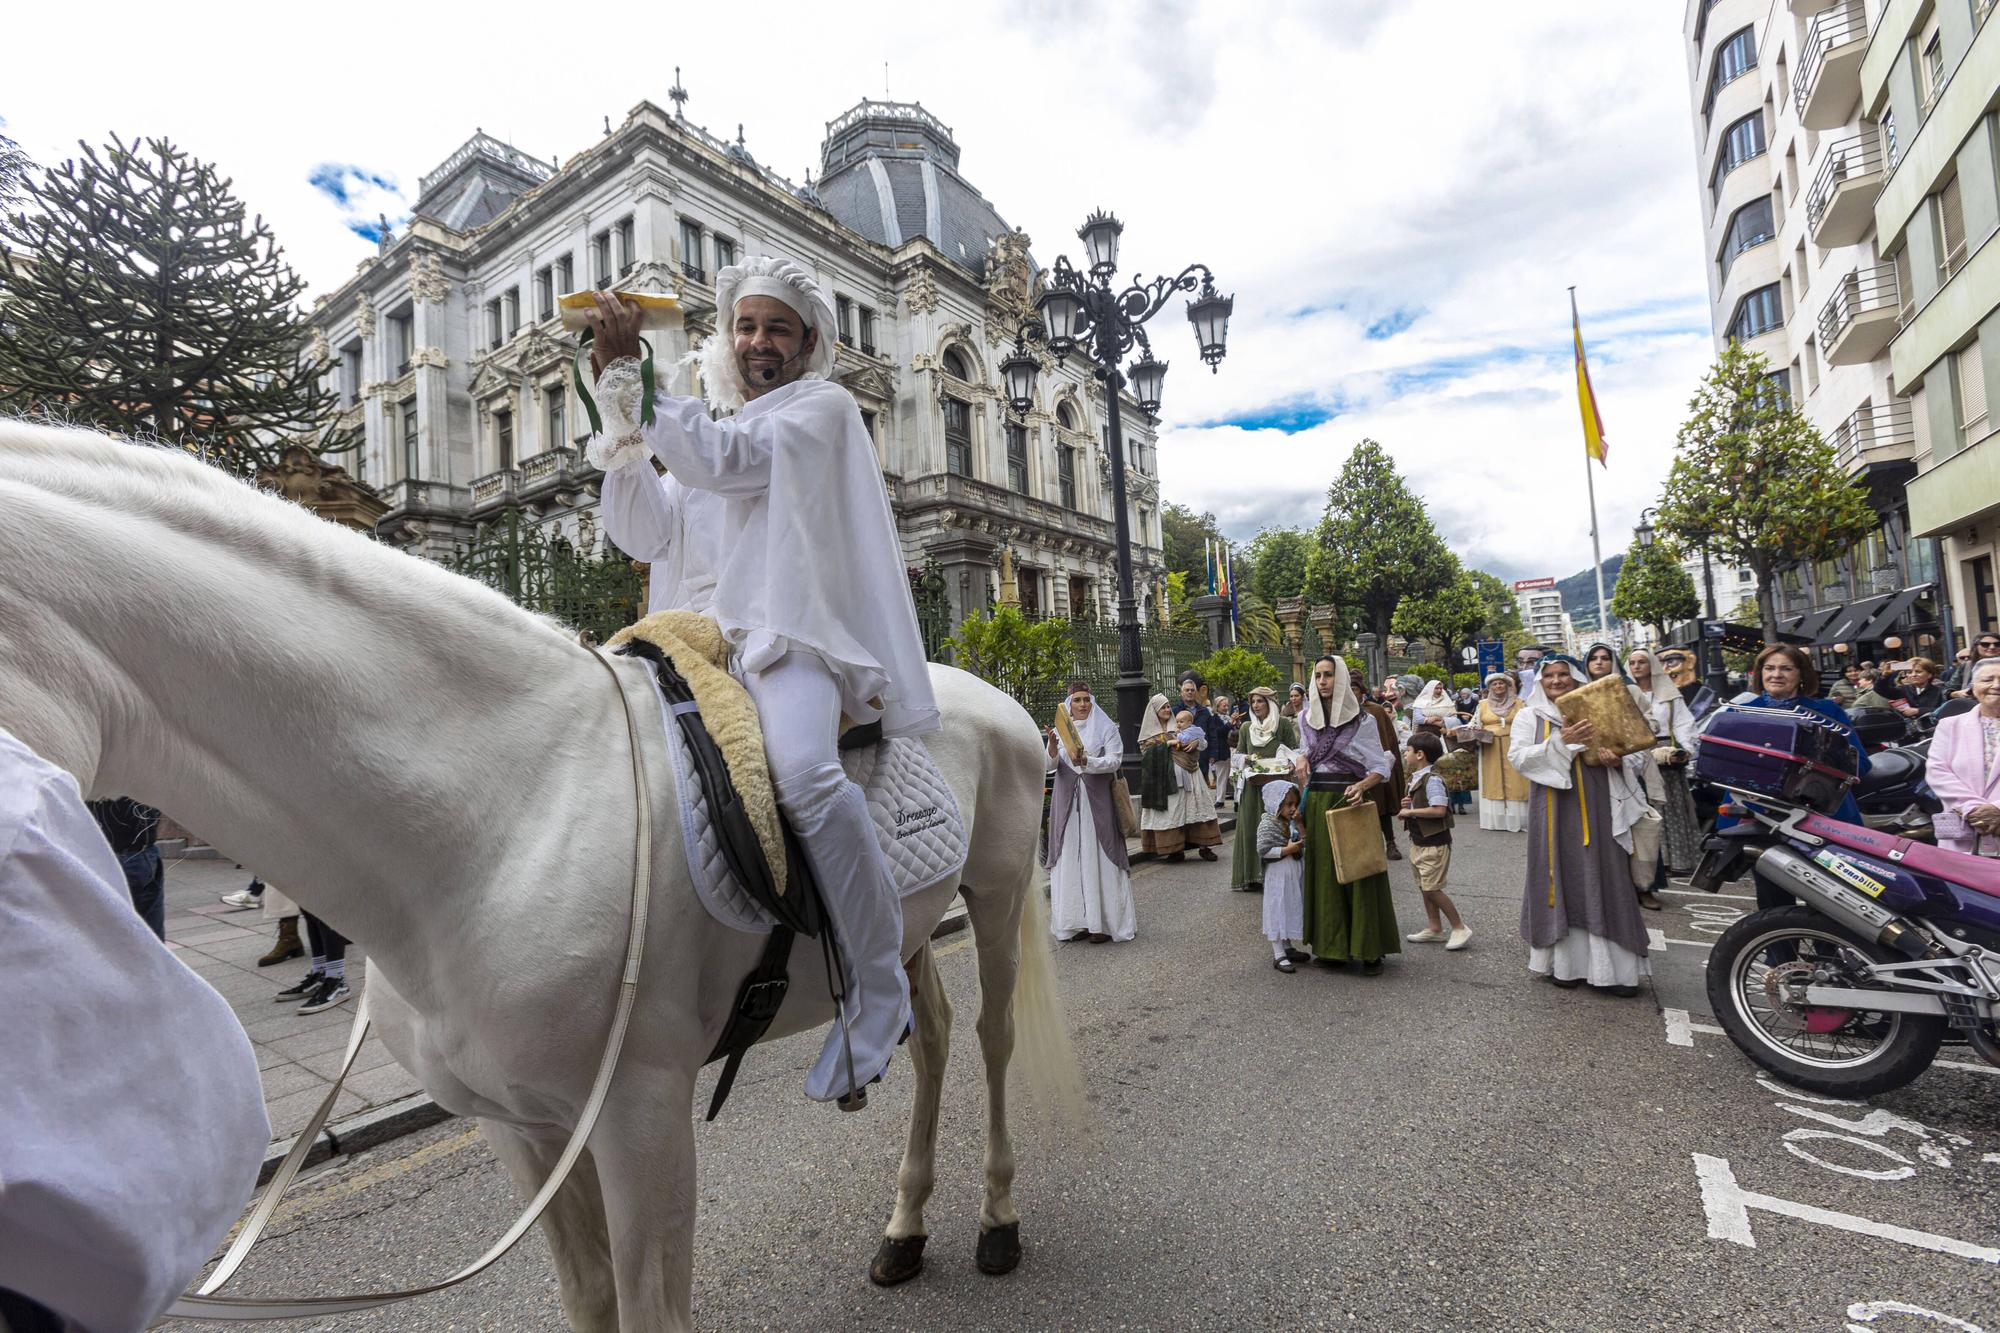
(798, 701)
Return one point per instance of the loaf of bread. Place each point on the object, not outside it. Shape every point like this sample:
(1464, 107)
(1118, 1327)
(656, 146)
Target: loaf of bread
(656, 310)
(1616, 721)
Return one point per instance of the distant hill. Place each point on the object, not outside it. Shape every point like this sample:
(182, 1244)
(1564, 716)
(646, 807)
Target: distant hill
(1579, 592)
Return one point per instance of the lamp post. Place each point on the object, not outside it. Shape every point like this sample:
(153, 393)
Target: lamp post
(1085, 314)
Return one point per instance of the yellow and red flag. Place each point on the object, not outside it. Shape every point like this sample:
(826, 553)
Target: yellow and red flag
(1586, 397)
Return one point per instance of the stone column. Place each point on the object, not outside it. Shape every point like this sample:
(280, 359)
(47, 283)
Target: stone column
(1214, 612)
(1291, 612)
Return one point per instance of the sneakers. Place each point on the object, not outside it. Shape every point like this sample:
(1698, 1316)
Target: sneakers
(301, 988)
(332, 991)
(1428, 935)
(242, 900)
(1459, 939)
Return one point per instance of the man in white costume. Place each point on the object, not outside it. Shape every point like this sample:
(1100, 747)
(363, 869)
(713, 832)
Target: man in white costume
(810, 590)
(674, 528)
(131, 1115)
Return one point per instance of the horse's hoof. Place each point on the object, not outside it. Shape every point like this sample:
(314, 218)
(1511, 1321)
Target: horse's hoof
(898, 1261)
(1000, 1249)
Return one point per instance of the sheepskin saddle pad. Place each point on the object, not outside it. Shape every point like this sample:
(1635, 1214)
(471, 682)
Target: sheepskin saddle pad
(917, 819)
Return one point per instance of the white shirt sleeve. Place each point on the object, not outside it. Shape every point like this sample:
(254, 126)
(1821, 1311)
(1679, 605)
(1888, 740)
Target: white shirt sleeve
(1544, 761)
(729, 457)
(1366, 745)
(638, 513)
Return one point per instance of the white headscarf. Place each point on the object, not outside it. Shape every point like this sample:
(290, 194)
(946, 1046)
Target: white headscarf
(1098, 732)
(1539, 702)
(1345, 705)
(1273, 795)
(1434, 702)
(1660, 686)
(1260, 733)
(783, 280)
(1513, 686)
(1152, 726)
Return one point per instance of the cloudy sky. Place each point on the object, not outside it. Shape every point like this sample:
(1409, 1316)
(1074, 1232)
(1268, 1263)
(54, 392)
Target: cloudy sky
(1398, 191)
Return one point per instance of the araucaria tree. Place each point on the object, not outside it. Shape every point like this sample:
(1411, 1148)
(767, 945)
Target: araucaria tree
(1754, 482)
(1375, 544)
(146, 301)
(1653, 588)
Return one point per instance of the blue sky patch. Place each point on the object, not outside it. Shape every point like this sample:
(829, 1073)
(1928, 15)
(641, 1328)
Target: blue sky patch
(1291, 418)
(1391, 324)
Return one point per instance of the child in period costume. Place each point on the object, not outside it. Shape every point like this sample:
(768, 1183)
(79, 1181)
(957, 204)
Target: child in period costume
(1426, 812)
(1268, 737)
(1281, 847)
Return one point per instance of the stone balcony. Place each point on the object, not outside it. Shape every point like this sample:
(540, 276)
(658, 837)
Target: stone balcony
(495, 490)
(967, 495)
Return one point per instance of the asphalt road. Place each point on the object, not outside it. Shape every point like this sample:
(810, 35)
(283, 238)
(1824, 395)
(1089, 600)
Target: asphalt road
(1450, 1145)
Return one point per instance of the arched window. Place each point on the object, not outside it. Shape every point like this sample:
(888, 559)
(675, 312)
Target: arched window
(1064, 417)
(954, 364)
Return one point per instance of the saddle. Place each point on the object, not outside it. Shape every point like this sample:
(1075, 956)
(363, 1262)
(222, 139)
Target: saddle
(744, 859)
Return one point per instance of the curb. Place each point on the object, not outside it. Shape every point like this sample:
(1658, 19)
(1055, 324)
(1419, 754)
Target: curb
(372, 1128)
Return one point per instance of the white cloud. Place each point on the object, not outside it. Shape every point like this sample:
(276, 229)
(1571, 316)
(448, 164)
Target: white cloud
(1445, 167)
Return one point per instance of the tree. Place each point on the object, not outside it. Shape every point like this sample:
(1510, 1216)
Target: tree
(1256, 621)
(14, 168)
(1026, 658)
(1754, 482)
(1277, 559)
(1447, 615)
(1236, 671)
(1376, 544)
(1180, 602)
(1184, 538)
(1503, 613)
(149, 305)
(1653, 588)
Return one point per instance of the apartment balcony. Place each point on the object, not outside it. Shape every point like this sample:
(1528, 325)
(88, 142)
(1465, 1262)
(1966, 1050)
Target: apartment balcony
(1860, 318)
(495, 490)
(1876, 435)
(1840, 202)
(1828, 82)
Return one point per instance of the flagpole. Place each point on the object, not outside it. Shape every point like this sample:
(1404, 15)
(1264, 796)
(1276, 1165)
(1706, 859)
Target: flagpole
(1590, 485)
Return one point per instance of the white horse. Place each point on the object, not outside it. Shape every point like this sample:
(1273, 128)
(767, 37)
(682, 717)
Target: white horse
(445, 778)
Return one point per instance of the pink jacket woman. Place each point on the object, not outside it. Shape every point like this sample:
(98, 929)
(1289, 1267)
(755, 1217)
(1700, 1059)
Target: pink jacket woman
(1964, 769)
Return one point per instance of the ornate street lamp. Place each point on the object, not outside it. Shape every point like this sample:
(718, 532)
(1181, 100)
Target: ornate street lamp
(1086, 314)
(1643, 534)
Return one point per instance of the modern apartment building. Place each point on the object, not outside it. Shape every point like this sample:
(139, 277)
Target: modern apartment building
(1794, 158)
(1929, 77)
(1542, 615)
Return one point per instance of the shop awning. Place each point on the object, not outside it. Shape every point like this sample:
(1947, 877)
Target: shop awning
(1846, 624)
(1884, 621)
(1806, 627)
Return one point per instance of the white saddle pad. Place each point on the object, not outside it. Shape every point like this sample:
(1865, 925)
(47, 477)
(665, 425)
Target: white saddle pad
(917, 823)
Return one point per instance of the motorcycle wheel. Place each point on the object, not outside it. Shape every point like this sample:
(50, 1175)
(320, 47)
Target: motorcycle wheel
(1758, 958)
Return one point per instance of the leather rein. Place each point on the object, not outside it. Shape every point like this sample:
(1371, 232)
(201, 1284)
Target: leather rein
(204, 1304)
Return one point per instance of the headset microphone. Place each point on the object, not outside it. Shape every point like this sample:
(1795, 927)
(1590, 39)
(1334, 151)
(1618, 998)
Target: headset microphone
(771, 373)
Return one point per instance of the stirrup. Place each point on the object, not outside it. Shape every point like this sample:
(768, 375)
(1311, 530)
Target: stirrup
(855, 1101)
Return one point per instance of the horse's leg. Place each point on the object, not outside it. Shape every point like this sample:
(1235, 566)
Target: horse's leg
(574, 1223)
(645, 1150)
(901, 1256)
(996, 924)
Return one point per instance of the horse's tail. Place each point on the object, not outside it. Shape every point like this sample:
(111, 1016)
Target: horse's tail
(1041, 1034)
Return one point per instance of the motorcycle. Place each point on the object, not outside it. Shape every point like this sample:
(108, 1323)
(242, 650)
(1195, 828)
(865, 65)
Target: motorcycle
(1893, 944)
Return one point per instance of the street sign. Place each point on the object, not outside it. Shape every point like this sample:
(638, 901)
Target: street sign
(1468, 655)
(1492, 657)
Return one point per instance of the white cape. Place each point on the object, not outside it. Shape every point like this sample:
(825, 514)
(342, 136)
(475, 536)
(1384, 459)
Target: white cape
(676, 530)
(811, 559)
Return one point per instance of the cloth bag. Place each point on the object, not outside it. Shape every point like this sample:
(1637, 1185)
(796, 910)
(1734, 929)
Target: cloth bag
(1355, 831)
(1121, 798)
(1646, 849)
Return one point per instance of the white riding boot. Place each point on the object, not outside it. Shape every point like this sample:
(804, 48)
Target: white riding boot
(831, 818)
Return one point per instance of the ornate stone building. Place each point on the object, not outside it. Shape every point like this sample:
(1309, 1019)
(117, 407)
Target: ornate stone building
(446, 351)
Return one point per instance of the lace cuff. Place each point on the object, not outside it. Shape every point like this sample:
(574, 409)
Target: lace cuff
(620, 443)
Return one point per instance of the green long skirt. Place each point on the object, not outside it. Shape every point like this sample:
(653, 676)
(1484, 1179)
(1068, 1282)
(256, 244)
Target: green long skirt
(1245, 869)
(1343, 921)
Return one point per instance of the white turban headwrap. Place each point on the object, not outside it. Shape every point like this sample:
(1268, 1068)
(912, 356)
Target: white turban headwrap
(783, 280)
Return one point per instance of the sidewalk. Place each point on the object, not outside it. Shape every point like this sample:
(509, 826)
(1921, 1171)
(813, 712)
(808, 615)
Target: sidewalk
(296, 1053)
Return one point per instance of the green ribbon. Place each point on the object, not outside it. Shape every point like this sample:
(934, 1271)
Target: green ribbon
(590, 404)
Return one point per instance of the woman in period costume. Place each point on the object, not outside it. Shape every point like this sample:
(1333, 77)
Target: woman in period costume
(1344, 763)
(1579, 915)
(1176, 804)
(1280, 842)
(1503, 792)
(1090, 884)
(1673, 725)
(1267, 735)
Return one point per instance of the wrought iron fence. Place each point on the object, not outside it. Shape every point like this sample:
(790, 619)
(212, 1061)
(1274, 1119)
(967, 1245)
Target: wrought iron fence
(547, 574)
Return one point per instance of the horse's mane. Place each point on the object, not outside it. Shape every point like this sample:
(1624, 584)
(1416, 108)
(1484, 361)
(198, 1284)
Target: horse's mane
(181, 491)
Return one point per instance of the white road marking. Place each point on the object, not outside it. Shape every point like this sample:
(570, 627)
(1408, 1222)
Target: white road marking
(1657, 941)
(1728, 1205)
(1681, 1028)
(1903, 1169)
(1869, 1311)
